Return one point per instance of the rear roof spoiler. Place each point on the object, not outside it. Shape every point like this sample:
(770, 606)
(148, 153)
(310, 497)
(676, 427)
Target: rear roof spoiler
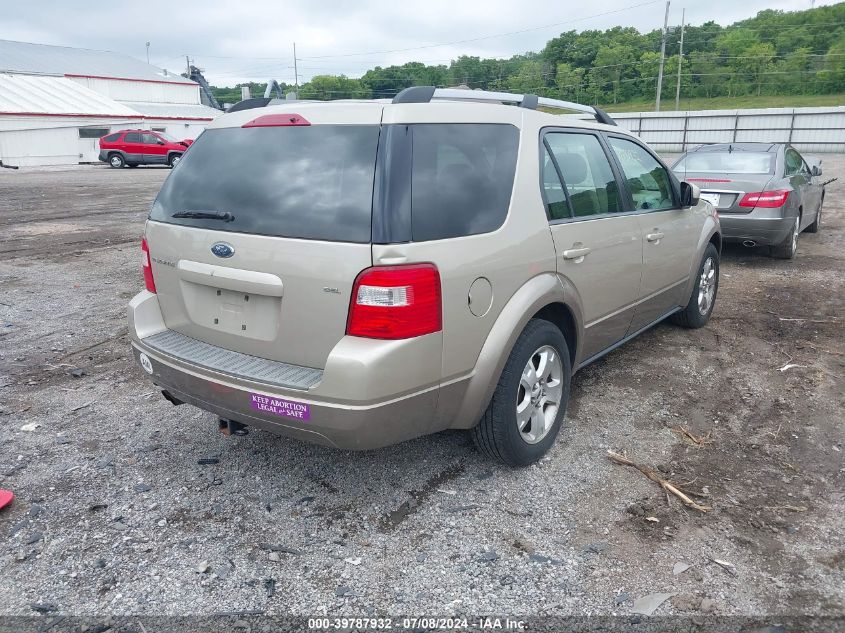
(426, 94)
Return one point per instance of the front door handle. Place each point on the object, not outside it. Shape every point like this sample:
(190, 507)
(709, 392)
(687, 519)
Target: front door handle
(577, 254)
(655, 237)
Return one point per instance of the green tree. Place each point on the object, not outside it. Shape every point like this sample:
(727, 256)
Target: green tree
(528, 79)
(569, 81)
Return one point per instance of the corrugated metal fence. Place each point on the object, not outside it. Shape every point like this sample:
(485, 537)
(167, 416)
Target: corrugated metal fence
(808, 129)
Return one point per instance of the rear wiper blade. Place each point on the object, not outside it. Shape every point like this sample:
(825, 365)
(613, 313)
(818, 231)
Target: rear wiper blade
(205, 215)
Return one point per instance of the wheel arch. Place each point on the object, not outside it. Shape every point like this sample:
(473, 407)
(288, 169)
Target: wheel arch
(716, 240)
(560, 315)
(544, 296)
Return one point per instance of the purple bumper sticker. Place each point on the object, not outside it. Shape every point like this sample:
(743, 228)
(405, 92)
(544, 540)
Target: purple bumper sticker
(279, 406)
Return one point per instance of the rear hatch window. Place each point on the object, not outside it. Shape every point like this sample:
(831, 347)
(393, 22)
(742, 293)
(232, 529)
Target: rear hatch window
(310, 182)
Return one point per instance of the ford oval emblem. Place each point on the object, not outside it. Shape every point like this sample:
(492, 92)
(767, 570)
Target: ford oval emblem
(222, 249)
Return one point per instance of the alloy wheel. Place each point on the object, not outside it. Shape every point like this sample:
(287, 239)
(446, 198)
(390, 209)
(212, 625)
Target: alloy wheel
(706, 286)
(539, 394)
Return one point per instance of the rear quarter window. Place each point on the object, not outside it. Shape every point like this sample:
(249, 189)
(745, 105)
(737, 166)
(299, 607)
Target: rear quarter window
(461, 178)
(111, 138)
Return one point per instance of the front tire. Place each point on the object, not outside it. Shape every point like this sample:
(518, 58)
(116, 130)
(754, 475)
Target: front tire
(174, 160)
(116, 161)
(526, 411)
(697, 312)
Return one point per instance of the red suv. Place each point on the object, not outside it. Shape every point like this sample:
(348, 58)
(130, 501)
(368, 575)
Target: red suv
(141, 147)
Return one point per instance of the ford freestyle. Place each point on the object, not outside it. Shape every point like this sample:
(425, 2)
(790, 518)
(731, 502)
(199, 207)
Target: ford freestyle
(361, 273)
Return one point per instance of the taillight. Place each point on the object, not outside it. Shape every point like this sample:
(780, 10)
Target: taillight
(765, 199)
(149, 282)
(394, 302)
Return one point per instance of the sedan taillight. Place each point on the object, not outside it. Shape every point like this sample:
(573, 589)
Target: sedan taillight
(765, 199)
(395, 302)
(149, 282)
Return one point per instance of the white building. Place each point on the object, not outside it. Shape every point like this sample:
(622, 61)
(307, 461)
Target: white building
(56, 102)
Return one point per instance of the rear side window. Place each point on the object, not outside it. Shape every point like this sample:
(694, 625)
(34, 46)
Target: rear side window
(111, 138)
(587, 175)
(556, 206)
(310, 182)
(461, 178)
(648, 181)
(132, 137)
(793, 162)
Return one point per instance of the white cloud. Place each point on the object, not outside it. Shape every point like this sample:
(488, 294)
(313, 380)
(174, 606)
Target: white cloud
(253, 39)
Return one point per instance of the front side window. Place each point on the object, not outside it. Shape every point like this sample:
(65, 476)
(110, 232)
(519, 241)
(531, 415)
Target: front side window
(648, 181)
(590, 184)
(149, 139)
(461, 178)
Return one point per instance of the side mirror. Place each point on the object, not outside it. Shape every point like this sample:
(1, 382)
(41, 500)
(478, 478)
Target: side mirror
(159, 141)
(690, 194)
(817, 170)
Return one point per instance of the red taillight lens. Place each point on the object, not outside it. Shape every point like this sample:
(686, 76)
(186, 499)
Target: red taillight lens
(393, 302)
(765, 199)
(149, 282)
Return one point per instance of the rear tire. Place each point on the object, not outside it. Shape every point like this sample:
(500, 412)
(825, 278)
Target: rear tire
(789, 246)
(522, 420)
(817, 223)
(697, 312)
(116, 161)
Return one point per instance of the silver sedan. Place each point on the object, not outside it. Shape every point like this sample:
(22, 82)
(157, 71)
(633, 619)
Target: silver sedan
(765, 193)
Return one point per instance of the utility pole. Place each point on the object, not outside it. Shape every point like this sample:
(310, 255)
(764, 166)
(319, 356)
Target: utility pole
(187, 67)
(662, 58)
(295, 72)
(148, 53)
(680, 62)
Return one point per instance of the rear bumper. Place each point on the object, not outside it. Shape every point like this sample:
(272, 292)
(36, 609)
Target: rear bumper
(103, 156)
(357, 418)
(760, 226)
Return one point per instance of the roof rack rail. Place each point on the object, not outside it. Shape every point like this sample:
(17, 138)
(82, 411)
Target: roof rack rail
(425, 94)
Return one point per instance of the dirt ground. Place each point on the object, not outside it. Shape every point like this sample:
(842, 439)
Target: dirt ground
(126, 504)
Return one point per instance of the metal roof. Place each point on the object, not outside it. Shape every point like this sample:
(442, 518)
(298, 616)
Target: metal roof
(57, 96)
(44, 95)
(44, 59)
(173, 110)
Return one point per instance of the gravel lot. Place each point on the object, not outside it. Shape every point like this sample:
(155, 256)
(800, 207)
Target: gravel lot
(115, 515)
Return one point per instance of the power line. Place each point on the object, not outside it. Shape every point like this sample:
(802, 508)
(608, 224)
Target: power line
(487, 37)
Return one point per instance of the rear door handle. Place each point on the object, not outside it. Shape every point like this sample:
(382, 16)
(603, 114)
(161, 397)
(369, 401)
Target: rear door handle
(654, 237)
(576, 253)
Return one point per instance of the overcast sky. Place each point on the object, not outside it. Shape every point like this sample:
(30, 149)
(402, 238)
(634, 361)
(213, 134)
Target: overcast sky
(252, 39)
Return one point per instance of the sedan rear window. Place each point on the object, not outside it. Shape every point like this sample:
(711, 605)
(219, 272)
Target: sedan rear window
(311, 182)
(727, 163)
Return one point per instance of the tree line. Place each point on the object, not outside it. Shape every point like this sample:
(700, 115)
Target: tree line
(773, 53)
